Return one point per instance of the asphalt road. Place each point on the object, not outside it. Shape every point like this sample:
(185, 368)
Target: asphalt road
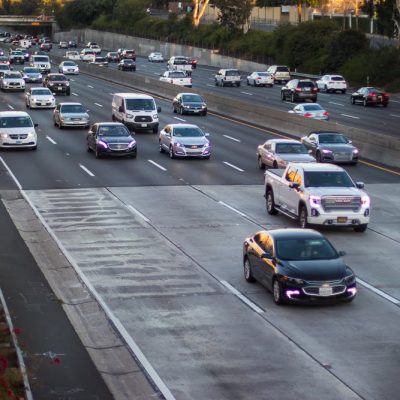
(375, 119)
(160, 240)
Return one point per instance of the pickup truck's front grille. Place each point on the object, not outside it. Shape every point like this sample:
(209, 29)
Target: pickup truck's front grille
(341, 203)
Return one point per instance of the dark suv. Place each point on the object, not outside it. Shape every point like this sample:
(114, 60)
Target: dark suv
(57, 83)
(299, 90)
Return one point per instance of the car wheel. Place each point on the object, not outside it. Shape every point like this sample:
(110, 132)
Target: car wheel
(160, 147)
(303, 215)
(353, 100)
(292, 99)
(155, 129)
(171, 152)
(248, 83)
(181, 111)
(283, 97)
(277, 292)
(247, 271)
(34, 148)
(261, 165)
(344, 91)
(174, 109)
(238, 84)
(361, 228)
(275, 165)
(97, 153)
(271, 210)
(326, 89)
(365, 103)
(385, 104)
(204, 113)
(318, 156)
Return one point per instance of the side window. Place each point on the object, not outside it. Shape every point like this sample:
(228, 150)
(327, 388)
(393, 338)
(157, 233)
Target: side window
(314, 138)
(267, 146)
(266, 243)
(292, 176)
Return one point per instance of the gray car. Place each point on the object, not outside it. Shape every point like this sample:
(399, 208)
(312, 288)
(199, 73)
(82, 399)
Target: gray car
(184, 140)
(331, 147)
(276, 153)
(32, 75)
(71, 115)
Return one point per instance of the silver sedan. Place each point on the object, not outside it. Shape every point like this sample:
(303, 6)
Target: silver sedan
(314, 111)
(71, 115)
(276, 153)
(68, 67)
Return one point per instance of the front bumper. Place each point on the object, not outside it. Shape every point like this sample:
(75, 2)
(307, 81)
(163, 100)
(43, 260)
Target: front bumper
(13, 87)
(199, 152)
(137, 126)
(72, 123)
(331, 157)
(117, 153)
(14, 144)
(47, 104)
(345, 219)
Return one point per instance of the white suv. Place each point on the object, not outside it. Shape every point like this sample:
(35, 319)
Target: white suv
(332, 83)
(17, 130)
(227, 77)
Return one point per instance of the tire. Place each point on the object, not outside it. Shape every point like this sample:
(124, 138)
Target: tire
(318, 157)
(173, 109)
(248, 83)
(238, 84)
(97, 153)
(181, 111)
(277, 292)
(216, 83)
(204, 113)
(155, 129)
(283, 97)
(34, 148)
(161, 149)
(352, 100)
(292, 99)
(270, 203)
(385, 105)
(314, 100)
(365, 103)
(326, 89)
(261, 165)
(361, 228)
(247, 271)
(171, 152)
(274, 165)
(344, 91)
(303, 217)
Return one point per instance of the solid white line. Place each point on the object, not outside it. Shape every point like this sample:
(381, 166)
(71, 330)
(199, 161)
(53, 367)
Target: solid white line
(27, 388)
(86, 170)
(51, 140)
(394, 115)
(157, 165)
(180, 119)
(90, 86)
(250, 94)
(156, 73)
(11, 173)
(232, 208)
(116, 322)
(74, 94)
(138, 213)
(338, 104)
(10, 107)
(97, 104)
(378, 292)
(72, 80)
(242, 297)
(211, 79)
(233, 166)
(350, 116)
(209, 85)
(231, 138)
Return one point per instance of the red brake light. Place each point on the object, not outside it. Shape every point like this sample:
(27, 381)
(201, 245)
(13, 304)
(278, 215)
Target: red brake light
(258, 78)
(307, 114)
(326, 113)
(315, 89)
(298, 89)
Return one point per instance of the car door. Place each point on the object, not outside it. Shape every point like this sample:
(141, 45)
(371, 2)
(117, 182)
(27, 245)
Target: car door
(91, 137)
(288, 196)
(57, 113)
(266, 264)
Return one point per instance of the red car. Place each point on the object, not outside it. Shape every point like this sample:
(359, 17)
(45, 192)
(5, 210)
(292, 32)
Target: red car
(193, 61)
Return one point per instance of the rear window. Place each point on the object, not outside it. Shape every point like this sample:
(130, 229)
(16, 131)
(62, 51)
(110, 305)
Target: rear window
(312, 107)
(337, 78)
(282, 69)
(305, 84)
(177, 74)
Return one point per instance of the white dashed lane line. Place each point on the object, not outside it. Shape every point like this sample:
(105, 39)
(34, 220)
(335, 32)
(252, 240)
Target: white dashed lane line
(180, 119)
(350, 116)
(394, 101)
(394, 115)
(233, 209)
(157, 165)
(51, 140)
(210, 85)
(378, 292)
(231, 138)
(249, 94)
(98, 105)
(90, 86)
(233, 166)
(10, 106)
(90, 173)
(337, 104)
(74, 94)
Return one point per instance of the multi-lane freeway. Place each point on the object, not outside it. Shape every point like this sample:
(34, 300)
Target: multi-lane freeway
(160, 242)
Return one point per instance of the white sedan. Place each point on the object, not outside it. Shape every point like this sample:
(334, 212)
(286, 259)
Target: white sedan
(332, 83)
(260, 79)
(155, 57)
(68, 67)
(40, 97)
(313, 110)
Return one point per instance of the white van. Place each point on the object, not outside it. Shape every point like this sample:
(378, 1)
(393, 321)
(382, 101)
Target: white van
(136, 110)
(17, 130)
(42, 63)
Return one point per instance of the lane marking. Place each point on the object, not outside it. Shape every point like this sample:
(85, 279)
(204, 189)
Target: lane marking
(338, 104)
(97, 104)
(14, 178)
(72, 80)
(180, 119)
(211, 79)
(379, 292)
(232, 208)
(210, 85)
(233, 166)
(231, 138)
(74, 94)
(250, 94)
(112, 94)
(90, 86)
(90, 173)
(157, 165)
(138, 213)
(323, 94)
(394, 101)
(51, 140)
(156, 73)
(242, 297)
(350, 116)
(10, 107)
(394, 115)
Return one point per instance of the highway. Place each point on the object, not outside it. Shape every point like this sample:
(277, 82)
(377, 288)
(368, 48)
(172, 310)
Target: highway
(160, 241)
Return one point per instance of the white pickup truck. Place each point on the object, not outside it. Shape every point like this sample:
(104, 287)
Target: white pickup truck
(317, 194)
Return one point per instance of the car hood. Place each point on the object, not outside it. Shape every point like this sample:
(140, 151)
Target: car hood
(116, 139)
(190, 140)
(42, 96)
(296, 157)
(316, 270)
(74, 115)
(18, 131)
(335, 191)
(348, 148)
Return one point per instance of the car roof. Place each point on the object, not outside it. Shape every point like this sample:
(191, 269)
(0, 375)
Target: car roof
(324, 132)
(109, 123)
(14, 114)
(69, 104)
(287, 233)
(134, 95)
(319, 167)
(178, 125)
(187, 93)
(283, 141)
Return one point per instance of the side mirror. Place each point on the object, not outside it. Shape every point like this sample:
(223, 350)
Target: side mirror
(206, 134)
(159, 109)
(350, 142)
(360, 185)
(342, 253)
(35, 125)
(294, 185)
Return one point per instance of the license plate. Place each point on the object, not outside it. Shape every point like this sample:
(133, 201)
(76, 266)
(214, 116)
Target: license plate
(59, 88)
(325, 291)
(194, 147)
(144, 125)
(18, 141)
(379, 98)
(341, 220)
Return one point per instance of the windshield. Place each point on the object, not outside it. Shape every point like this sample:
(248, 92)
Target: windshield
(57, 78)
(31, 71)
(72, 108)
(113, 130)
(188, 132)
(41, 92)
(41, 59)
(333, 139)
(327, 179)
(291, 148)
(312, 107)
(192, 97)
(16, 75)
(305, 249)
(16, 122)
(69, 63)
(140, 104)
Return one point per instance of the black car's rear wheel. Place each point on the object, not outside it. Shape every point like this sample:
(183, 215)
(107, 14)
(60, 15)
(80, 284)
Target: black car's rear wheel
(277, 292)
(247, 271)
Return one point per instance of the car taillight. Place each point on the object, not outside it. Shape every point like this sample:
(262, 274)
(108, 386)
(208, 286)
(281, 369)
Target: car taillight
(258, 78)
(314, 89)
(371, 94)
(326, 113)
(385, 94)
(307, 114)
(298, 89)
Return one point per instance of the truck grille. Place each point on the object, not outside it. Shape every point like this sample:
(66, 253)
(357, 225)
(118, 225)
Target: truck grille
(339, 203)
(118, 146)
(19, 136)
(314, 290)
(142, 118)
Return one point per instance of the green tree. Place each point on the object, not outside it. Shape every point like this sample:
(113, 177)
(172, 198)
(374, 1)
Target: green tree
(130, 11)
(26, 7)
(234, 13)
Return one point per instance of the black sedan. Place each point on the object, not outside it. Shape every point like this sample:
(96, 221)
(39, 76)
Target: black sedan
(189, 103)
(111, 139)
(370, 96)
(127, 65)
(298, 265)
(331, 147)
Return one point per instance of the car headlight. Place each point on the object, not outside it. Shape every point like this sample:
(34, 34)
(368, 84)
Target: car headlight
(203, 106)
(177, 144)
(129, 115)
(4, 135)
(31, 135)
(326, 151)
(355, 151)
(67, 83)
(365, 201)
(297, 281)
(186, 106)
(155, 116)
(315, 200)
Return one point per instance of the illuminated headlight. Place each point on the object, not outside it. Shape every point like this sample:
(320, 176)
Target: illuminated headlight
(365, 201)
(67, 83)
(52, 99)
(31, 135)
(177, 144)
(187, 106)
(315, 201)
(203, 106)
(34, 99)
(326, 151)
(132, 144)
(4, 135)
(155, 116)
(355, 151)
